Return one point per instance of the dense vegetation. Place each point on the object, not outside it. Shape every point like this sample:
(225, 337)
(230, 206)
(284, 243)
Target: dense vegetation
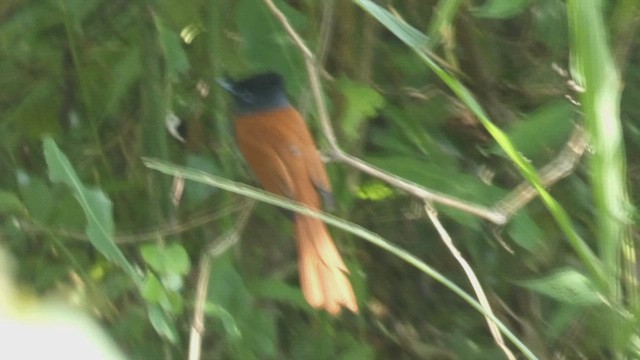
(461, 101)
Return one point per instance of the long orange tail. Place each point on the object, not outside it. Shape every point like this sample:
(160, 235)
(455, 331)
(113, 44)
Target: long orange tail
(323, 274)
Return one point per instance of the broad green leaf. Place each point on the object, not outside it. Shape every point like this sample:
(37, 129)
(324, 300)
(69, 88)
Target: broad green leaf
(175, 57)
(155, 292)
(33, 111)
(374, 190)
(525, 232)
(180, 262)
(228, 321)
(124, 74)
(172, 259)
(359, 350)
(567, 286)
(196, 194)
(405, 135)
(544, 131)
(77, 11)
(550, 24)
(160, 303)
(234, 303)
(362, 102)
(10, 203)
(265, 43)
(279, 290)
(227, 288)
(95, 204)
(448, 181)
(160, 322)
(100, 227)
(563, 319)
(151, 289)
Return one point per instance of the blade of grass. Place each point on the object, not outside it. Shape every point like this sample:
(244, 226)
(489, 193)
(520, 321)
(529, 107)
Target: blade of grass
(592, 66)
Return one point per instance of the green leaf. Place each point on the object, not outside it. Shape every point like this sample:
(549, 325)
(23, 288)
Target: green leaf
(228, 321)
(94, 203)
(525, 232)
(227, 288)
(160, 322)
(449, 181)
(233, 303)
(33, 111)
(543, 131)
(567, 286)
(180, 262)
(374, 190)
(275, 289)
(266, 45)
(49, 205)
(420, 138)
(362, 102)
(550, 24)
(10, 203)
(155, 292)
(501, 9)
(124, 74)
(100, 230)
(151, 289)
(176, 59)
(196, 194)
(397, 26)
(358, 350)
(172, 259)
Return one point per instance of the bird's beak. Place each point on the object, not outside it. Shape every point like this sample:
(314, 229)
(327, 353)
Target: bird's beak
(227, 84)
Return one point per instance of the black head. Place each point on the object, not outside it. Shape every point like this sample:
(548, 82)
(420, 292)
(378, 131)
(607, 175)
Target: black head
(260, 92)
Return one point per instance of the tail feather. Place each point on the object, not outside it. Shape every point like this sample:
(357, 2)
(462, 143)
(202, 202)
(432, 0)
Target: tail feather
(323, 274)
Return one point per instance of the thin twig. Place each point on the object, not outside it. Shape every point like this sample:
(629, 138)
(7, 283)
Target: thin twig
(475, 284)
(294, 35)
(216, 248)
(326, 31)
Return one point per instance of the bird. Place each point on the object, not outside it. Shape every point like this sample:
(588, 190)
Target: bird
(279, 149)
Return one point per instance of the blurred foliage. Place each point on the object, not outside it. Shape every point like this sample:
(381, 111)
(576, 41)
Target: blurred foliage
(88, 224)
